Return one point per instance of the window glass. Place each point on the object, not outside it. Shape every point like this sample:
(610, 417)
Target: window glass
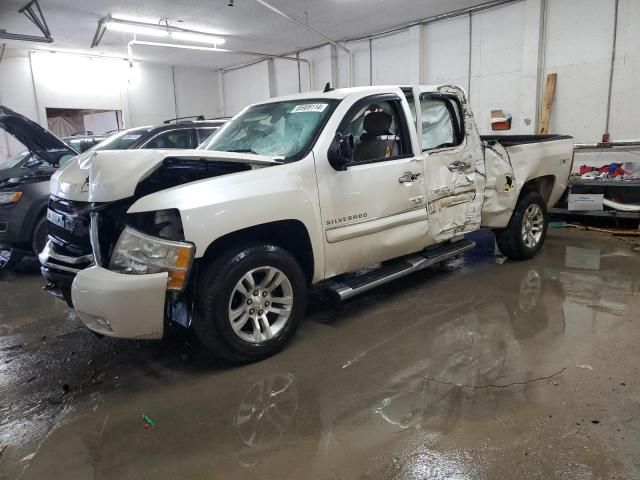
(205, 133)
(375, 130)
(278, 129)
(172, 139)
(123, 140)
(437, 125)
(412, 105)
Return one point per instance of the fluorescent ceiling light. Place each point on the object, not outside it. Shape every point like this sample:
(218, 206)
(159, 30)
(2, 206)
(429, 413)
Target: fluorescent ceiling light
(139, 29)
(197, 37)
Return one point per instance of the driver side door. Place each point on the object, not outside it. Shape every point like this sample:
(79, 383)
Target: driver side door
(374, 209)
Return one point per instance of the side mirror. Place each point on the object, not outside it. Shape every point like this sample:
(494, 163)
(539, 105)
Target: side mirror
(33, 162)
(340, 153)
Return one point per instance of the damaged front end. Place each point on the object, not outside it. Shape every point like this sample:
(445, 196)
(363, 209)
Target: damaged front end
(102, 235)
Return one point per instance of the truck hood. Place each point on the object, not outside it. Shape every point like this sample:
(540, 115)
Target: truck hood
(109, 175)
(39, 141)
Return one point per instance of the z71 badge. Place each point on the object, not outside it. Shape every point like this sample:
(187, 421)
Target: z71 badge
(348, 218)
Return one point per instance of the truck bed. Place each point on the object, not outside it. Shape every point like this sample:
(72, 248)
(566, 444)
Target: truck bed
(512, 140)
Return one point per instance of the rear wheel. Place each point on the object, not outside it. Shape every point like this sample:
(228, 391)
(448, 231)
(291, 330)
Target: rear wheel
(523, 237)
(250, 302)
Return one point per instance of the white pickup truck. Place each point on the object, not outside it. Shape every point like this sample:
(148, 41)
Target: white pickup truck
(297, 191)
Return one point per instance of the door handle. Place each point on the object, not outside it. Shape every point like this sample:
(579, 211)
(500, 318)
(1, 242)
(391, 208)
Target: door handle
(408, 177)
(458, 165)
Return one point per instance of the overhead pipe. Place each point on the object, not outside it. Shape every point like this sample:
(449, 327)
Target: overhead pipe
(303, 25)
(263, 56)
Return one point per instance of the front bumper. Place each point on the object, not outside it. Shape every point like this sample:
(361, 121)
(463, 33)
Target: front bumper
(119, 305)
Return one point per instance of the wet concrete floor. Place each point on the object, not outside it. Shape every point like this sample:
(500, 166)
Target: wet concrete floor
(478, 370)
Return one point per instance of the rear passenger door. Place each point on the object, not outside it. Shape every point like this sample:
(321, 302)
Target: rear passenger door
(453, 165)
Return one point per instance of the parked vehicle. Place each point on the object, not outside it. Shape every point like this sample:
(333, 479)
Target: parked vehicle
(61, 258)
(24, 181)
(83, 141)
(181, 134)
(346, 189)
(24, 186)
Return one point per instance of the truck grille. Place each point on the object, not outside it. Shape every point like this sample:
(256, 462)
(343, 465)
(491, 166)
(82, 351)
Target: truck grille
(68, 226)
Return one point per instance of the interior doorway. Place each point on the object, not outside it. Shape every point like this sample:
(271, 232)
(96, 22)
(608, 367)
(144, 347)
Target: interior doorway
(66, 122)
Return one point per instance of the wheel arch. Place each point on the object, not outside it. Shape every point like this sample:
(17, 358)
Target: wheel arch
(292, 235)
(543, 185)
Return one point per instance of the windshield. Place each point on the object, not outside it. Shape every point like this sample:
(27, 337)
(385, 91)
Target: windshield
(123, 140)
(280, 129)
(16, 159)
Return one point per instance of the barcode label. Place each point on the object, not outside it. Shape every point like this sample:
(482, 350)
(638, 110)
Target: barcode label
(310, 107)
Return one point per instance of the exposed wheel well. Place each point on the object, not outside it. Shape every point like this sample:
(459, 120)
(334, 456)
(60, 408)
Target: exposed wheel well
(291, 235)
(542, 185)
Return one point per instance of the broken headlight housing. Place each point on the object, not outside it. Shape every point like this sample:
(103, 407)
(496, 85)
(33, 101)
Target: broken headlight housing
(138, 254)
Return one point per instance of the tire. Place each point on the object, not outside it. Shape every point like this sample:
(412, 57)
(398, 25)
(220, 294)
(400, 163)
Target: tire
(9, 258)
(524, 236)
(39, 237)
(225, 292)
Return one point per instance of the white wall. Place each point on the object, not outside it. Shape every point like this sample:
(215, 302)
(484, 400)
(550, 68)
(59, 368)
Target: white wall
(446, 52)
(31, 82)
(578, 48)
(17, 93)
(626, 80)
(196, 92)
(511, 51)
(245, 86)
(496, 64)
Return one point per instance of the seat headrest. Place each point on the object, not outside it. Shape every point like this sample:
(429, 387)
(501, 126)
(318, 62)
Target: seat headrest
(377, 123)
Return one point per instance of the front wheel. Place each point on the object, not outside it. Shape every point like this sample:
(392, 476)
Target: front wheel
(523, 237)
(250, 302)
(9, 258)
(39, 239)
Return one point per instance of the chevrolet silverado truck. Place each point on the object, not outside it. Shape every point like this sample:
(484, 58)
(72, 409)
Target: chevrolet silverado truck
(343, 189)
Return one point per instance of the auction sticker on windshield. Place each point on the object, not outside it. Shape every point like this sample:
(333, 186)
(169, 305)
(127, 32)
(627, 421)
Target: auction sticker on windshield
(310, 107)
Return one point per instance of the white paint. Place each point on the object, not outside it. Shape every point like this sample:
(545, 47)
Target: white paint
(196, 92)
(17, 93)
(101, 122)
(578, 48)
(286, 76)
(446, 52)
(321, 68)
(245, 86)
(150, 94)
(391, 60)
(76, 81)
(496, 63)
(624, 124)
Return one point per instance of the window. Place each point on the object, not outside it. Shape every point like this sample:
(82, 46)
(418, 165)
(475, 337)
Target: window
(122, 140)
(205, 132)
(441, 122)
(284, 130)
(379, 130)
(173, 139)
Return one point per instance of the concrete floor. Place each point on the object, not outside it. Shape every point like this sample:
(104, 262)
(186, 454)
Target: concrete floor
(479, 370)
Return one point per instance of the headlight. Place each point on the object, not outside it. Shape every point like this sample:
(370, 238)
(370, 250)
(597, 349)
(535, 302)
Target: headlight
(7, 198)
(139, 254)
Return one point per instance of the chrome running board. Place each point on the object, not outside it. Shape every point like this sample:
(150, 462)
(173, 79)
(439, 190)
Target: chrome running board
(349, 287)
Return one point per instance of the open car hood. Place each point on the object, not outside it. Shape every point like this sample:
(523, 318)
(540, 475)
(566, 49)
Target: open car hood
(39, 141)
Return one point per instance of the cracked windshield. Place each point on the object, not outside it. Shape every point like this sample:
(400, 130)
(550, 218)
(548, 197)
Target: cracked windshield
(284, 130)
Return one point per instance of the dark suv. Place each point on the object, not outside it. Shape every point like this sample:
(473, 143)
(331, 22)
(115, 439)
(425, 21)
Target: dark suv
(24, 181)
